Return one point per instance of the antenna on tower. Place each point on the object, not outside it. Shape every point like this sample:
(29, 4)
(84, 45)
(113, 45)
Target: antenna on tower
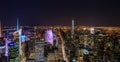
(72, 26)
(72, 31)
(17, 24)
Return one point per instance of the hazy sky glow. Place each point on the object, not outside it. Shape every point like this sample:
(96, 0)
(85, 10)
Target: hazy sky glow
(54, 12)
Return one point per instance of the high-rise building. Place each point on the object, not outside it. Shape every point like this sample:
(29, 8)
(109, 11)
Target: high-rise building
(49, 36)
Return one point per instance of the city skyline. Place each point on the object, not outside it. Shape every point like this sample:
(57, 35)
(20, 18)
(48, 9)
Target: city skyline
(90, 13)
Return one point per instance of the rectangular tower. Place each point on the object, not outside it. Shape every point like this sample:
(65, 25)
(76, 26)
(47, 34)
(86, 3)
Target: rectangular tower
(39, 51)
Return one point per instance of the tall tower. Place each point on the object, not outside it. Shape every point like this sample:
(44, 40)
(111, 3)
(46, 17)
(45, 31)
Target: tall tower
(72, 26)
(0, 29)
(17, 27)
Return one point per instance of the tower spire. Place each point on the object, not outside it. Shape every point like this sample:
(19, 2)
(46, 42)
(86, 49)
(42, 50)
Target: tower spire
(72, 26)
(17, 24)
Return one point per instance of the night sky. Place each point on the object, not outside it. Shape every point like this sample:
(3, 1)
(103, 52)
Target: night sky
(60, 12)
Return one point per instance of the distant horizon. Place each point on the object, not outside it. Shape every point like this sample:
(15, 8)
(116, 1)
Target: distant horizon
(47, 24)
(64, 25)
(55, 12)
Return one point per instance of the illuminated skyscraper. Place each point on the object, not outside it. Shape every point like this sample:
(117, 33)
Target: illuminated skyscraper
(49, 36)
(92, 30)
(20, 40)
